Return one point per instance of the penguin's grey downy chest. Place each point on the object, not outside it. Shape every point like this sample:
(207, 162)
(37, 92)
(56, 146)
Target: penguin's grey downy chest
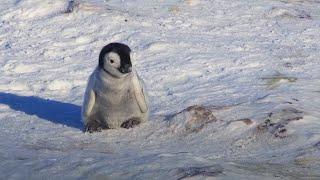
(116, 102)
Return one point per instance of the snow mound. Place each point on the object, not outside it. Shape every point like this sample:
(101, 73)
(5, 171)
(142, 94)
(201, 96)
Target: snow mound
(278, 12)
(36, 9)
(191, 120)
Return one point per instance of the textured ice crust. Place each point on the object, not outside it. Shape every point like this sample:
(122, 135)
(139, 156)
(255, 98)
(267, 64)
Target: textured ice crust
(234, 88)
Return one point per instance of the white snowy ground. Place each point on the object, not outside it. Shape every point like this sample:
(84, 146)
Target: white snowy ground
(254, 63)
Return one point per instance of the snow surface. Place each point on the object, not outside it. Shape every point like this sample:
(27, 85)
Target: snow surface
(254, 64)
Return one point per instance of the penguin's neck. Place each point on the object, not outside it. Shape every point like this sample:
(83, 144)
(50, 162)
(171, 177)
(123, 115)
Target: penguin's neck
(113, 83)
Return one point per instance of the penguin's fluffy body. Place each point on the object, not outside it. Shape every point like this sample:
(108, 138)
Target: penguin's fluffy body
(115, 95)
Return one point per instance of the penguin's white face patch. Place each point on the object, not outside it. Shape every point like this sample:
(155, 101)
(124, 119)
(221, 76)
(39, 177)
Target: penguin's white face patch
(112, 63)
(113, 60)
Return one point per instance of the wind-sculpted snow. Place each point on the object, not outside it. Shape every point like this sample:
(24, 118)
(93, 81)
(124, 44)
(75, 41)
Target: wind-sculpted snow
(234, 89)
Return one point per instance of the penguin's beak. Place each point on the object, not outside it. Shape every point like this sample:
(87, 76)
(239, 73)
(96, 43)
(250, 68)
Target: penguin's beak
(126, 69)
(129, 69)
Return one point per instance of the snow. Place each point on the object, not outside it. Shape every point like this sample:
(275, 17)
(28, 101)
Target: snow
(253, 64)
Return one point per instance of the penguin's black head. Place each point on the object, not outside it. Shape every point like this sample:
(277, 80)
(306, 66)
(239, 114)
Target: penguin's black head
(115, 59)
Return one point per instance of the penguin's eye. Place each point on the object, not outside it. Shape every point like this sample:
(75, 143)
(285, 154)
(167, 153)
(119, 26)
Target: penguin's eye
(111, 61)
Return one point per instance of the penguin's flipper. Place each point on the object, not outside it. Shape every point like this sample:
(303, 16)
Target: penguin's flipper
(139, 93)
(89, 100)
(88, 103)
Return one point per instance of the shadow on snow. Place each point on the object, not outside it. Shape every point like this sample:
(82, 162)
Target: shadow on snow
(54, 111)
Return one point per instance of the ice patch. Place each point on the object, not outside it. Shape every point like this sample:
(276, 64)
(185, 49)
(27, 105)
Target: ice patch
(25, 68)
(158, 46)
(59, 85)
(192, 2)
(15, 86)
(74, 41)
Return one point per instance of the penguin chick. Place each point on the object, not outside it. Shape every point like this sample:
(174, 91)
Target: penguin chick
(115, 95)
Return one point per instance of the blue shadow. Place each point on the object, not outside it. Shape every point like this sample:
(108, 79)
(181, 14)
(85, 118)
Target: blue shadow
(54, 111)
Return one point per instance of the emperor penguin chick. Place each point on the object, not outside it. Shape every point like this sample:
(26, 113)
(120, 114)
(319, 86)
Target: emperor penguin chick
(115, 95)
